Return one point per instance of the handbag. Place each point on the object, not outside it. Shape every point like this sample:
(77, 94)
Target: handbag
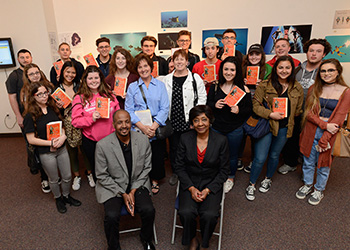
(341, 147)
(33, 159)
(162, 132)
(257, 126)
(74, 135)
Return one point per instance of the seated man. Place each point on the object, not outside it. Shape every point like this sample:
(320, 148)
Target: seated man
(282, 48)
(123, 162)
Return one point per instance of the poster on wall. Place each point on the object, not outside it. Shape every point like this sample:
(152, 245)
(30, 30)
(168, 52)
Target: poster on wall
(53, 46)
(173, 19)
(340, 48)
(242, 38)
(167, 41)
(297, 35)
(75, 42)
(129, 41)
(341, 19)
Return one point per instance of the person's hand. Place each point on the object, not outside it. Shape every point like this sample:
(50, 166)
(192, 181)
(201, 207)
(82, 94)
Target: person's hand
(224, 55)
(196, 194)
(205, 82)
(204, 193)
(96, 115)
(332, 128)
(220, 103)
(276, 115)
(258, 81)
(154, 126)
(129, 203)
(245, 80)
(20, 120)
(58, 142)
(235, 109)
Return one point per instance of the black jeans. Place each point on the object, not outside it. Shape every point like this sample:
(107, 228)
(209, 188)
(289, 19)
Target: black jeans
(291, 150)
(89, 147)
(158, 150)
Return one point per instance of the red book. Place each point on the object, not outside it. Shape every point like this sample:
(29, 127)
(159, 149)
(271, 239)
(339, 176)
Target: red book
(53, 130)
(280, 104)
(120, 86)
(155, 71)
(90, 60)
(234, 97)
(60, 95)
(252, 75)
(229, 50)
(58, 66)
(209, 73)
(103, 106)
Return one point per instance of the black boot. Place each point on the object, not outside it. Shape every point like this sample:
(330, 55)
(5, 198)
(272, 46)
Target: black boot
(61, 206)
(71, 201)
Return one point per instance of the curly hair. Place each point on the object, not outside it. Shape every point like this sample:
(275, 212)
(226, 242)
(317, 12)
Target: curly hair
(129, 61)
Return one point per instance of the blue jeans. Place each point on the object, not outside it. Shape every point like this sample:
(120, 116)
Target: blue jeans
(271, 146)
(234, 141)
(310, 163)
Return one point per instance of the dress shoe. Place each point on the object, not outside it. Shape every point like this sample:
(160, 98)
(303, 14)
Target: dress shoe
(61, 206)
(173, 180)
(71, 201)
(148, 245)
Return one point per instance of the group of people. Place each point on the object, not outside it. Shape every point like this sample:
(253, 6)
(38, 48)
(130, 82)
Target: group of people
(124, 154)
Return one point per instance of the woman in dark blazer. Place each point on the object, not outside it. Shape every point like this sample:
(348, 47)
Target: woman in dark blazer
(202, 165)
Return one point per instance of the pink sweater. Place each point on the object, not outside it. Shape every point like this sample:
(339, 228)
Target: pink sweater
(82, 118)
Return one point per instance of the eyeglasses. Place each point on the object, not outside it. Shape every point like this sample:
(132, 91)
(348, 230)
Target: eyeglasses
(323, 71)
(229, 38)
(40, 95)
(104, 47)
(184, 41)
(34, 74)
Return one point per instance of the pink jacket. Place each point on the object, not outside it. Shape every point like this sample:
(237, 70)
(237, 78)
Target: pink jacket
(82, 118)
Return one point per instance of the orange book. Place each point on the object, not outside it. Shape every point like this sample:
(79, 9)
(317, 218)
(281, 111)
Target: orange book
(102, 106)
(60, 95)
(209, 73)
(58, 66)
(120, 86)
(90, 60)
(280, 104)
(234, 97)
(53, 130)
(229, 50)
(155, 71)
(252, 75)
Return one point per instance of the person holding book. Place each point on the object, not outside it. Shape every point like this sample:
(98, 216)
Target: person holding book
(121, 67)
(68, 83)
(148, 46)
(281, 85)
(185, 90)
(104, 57)
(208, 69)
(327, 105)
(41, 111)
(229, 119)
(147, 98)
(229, 39)
(282, 48)
(93, 99)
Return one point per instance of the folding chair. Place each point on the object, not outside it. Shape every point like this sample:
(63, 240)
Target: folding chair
(125, 212)
(180, 226)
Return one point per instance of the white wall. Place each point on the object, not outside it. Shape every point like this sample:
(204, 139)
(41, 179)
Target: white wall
(92, 18)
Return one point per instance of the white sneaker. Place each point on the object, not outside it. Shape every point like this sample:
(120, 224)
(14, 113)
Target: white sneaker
(316, 197)
(91, 180)
(228, 185)
(76, 183)
(285, 169)
(250, 193)
(45, 186)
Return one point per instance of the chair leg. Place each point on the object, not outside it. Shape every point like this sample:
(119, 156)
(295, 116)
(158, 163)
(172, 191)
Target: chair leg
(174, 228)
(155, 234)
(221, 220)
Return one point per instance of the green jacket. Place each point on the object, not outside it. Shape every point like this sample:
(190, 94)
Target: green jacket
(265, 91)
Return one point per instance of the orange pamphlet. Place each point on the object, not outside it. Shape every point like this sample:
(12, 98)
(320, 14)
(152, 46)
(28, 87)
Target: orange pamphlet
(102, 106)
(229, 50)
(58, 66)
(155, 71)
(280, 104)
(209, 73)
(53, 130)
(60, 95)
(120, 86)
(252, 75)
(234, 97)
(90, 60)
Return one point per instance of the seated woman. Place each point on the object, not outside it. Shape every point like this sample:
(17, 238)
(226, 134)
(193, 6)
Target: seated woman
(202, 165)
(327, 103)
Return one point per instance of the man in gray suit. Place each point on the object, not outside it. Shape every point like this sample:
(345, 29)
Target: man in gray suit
(123, 162)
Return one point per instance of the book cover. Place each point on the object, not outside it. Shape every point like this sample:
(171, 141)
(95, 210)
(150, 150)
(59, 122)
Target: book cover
(120, 86)
(53, 130)
(155, 71)
(235, 96)
(252, 75)
(90, 60)
(230, 50)
(209, 73)
(280, 104)
(103, 106)
(60, 95)
(58, 66)
(145, 117)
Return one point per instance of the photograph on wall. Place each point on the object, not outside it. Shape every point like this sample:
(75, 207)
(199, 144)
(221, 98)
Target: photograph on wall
(173, 19)
(167, 41)
(297, 35)
(129, 41)
(341, 19)
(242, 38)
(340, 48)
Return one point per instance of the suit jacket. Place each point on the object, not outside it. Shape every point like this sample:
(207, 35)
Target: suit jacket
(111, 170)
(212, 172)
